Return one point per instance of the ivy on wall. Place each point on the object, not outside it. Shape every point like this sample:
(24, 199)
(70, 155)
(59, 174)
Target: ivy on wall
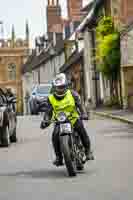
(108, 52)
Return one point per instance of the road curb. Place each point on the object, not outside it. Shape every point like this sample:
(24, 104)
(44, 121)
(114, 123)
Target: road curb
(107, 115)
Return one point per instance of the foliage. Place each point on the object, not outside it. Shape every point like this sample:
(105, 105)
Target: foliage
(108, 48)
(108, 52)
(105, 26)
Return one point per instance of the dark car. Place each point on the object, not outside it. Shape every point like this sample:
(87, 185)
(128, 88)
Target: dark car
(39, 94)
(8, 119)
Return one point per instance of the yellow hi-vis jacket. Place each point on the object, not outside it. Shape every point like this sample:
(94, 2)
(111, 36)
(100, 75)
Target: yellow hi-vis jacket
(66, 105)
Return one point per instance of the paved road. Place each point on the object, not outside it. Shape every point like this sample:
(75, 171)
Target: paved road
(26, 171)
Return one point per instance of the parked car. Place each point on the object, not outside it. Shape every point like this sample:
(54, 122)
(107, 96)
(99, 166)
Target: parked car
(39, 94)
(8, 120)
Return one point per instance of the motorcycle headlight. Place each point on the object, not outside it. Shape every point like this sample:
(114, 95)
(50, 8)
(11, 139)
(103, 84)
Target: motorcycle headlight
(61, 117)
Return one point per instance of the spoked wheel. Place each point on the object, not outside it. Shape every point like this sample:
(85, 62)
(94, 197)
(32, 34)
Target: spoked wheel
(69, 159)
(79, 154)
(79, 160)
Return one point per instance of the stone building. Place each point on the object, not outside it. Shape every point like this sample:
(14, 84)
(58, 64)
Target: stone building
(127, 66)
(126, 20)
(13, 53)
(121, 11)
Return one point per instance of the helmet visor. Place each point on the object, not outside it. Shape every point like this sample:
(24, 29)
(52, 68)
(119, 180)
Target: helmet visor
(60, 90)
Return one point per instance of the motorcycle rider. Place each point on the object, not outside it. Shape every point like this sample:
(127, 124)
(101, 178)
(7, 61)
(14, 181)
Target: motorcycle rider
(67, 100)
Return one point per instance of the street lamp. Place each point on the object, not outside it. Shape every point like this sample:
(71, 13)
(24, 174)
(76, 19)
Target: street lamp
(52, 52)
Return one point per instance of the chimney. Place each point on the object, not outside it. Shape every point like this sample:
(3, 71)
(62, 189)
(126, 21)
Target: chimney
(74, 9)
(53, 14)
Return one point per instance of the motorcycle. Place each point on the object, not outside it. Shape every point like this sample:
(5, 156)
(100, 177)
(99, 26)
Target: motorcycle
(71, 146)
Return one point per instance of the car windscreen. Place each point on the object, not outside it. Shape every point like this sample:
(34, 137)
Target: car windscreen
(43, 89)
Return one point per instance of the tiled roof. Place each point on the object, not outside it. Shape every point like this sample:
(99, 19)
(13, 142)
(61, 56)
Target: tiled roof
(34, 61)
(75, 57)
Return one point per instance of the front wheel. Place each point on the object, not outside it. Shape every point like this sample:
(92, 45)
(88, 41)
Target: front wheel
(68, 157)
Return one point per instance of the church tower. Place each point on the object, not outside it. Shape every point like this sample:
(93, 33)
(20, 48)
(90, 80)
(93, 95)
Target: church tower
(27, 34)
(13, 36)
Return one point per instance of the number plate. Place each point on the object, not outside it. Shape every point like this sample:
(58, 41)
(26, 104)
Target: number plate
(65, 128)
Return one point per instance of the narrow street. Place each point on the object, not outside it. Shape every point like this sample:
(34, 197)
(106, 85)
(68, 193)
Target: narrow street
(26, 170)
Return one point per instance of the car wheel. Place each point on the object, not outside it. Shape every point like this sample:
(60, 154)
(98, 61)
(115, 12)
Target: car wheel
(33, 108)
(31, 112)
(13, 137)
(5, 138)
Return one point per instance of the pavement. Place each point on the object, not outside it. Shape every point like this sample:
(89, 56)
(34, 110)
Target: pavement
(123, 115)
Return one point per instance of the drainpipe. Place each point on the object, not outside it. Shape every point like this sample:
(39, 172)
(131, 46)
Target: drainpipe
(96, 77)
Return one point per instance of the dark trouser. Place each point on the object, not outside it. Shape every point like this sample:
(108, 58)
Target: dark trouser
(78, 127)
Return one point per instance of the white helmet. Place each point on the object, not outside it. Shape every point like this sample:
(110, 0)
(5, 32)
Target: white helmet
(60, 85)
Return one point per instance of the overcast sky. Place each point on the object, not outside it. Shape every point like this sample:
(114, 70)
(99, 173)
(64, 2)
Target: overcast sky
(18, 11)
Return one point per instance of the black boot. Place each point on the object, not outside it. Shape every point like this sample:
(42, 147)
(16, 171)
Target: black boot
(58, 161)
(89, 155)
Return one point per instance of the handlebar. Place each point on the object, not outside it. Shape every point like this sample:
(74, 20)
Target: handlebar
(46, 123)
(55, 120)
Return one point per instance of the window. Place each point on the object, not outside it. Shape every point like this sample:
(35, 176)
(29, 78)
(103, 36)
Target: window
(12, 71)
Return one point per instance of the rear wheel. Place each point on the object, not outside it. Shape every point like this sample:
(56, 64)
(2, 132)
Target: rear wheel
(5, 138)
(69, 159)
